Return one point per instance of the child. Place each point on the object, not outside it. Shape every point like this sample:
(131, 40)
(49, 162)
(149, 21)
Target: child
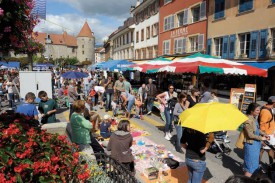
(114, 106)
(120, 143)
(28, 108)
(214, 97)
(138, 105)
(47, 107)
(105, 127)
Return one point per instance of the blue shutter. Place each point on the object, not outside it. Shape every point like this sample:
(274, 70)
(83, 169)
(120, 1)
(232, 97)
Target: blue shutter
(203, 10)
(209, 44)
(263, 43)
(245, 5)
(253, 44)
(273, 1)
(185, 19)
(232, 46)
(219, 9)
(225, 47)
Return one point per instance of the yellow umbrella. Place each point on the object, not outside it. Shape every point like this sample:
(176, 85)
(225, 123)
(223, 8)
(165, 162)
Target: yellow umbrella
(212, 117)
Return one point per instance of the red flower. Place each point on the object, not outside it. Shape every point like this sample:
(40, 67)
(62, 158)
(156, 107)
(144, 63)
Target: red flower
(84, 176)
(21, 167)
(10, 162)
(55, 159)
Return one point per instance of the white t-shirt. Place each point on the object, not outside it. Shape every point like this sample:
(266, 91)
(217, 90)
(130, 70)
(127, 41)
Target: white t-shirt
(9, 87)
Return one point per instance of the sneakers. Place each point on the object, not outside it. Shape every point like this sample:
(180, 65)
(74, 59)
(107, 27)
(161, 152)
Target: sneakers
(167, 137)
(169, 134)
(149, 113)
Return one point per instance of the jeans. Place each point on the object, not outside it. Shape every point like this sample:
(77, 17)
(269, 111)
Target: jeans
(150, 103)
(169, 119)
(196, 170)
(11, 99)
(130, 105)
(86, 89)
(109, 98)
(179, 131)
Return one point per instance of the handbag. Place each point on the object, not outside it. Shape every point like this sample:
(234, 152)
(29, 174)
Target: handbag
(173, 164)
(240, 140)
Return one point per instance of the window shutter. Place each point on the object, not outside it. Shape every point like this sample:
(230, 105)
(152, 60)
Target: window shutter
(273, 1)
(241, 7)
(253, 44)
(219, 9)
(232, 41)
(175, 46)
(209, 44)
(185, 19)
(225, 47)
(201, 42)
(263, 43)
(203, 10)
(172, 21)
(184, 45)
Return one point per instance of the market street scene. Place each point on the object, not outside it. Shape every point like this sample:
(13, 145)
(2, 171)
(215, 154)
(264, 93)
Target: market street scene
(137, 91)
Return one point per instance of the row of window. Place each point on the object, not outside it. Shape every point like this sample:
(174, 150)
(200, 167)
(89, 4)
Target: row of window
(187, 16)
(124, 39)
(151, 31)
(184, 45)
(124, 54)
(146, 53)
(244, 5)
(245, 45)
(147, 12)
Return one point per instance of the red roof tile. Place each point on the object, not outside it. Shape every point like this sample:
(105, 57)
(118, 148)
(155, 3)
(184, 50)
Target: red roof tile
(86, 31)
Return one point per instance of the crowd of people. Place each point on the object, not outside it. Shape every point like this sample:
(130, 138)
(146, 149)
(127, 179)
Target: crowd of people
(100, 91)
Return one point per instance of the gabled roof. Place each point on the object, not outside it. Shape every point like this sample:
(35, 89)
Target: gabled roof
(86, 31)
(57, 39)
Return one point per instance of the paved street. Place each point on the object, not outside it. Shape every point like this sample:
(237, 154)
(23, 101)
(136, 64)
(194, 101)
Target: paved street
(218, 170)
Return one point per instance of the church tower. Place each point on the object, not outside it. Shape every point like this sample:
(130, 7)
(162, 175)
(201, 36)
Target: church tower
(86, 44)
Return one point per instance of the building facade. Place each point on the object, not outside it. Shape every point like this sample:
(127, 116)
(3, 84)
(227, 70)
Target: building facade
(183, 27)
(99, 54)
(146, 17)
(122, 41)
(243, 29)
(67, 46)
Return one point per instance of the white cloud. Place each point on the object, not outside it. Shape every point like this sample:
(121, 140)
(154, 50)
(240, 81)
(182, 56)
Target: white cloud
(114, 8)
(73, 23)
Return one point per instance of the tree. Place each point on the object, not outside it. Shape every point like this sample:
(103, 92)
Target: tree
(16, 27)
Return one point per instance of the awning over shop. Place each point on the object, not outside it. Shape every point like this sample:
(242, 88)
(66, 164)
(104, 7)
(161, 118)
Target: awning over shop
(262, 65)
(10, 64)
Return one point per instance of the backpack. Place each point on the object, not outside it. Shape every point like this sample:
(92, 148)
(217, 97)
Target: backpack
(259, 119)
(171, 104)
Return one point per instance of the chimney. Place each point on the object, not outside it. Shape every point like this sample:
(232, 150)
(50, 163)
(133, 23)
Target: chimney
(138, 3)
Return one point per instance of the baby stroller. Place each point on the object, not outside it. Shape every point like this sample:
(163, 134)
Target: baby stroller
(220, 145)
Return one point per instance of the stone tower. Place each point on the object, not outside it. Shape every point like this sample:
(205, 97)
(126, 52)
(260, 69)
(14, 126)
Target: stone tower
(86, 44)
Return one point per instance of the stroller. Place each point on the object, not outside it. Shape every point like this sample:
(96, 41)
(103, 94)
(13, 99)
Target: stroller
(220, 145)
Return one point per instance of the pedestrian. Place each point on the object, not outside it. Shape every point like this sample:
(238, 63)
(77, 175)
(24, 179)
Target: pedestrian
(109, 92)
(28, 108)
(119, 145)
(214, 97)
(196, 144)
(142, 94)
(90, 115)
(129, 100)
(47, 107)
(252, 140)
(267, 125)
(151, 95)
(138, 105)
(119, 87)
(72, 95)
(179, 108)
(9, 85)
(206, 95)
(127, 85)
(169, 100)
(81, 127)
(194, 97)
(105, 126)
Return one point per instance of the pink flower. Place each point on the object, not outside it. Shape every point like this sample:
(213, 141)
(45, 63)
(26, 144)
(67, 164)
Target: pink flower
(1, 12)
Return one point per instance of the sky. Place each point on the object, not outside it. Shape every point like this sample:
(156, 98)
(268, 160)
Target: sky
(103, 16)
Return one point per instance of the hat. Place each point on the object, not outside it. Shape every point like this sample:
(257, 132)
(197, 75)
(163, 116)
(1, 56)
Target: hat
(271, 99)
(106, 116)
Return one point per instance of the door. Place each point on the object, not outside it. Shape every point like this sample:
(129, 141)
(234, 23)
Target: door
(44, 82)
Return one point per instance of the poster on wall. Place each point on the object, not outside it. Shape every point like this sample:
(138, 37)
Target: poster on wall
(236, 96)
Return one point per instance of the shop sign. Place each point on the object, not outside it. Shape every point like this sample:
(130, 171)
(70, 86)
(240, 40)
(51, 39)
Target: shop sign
(179, 32)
